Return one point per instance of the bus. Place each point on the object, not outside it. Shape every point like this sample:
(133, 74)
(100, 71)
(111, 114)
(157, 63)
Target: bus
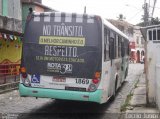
(72, 56)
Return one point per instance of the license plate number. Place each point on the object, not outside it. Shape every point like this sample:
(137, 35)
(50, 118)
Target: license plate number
(59, 79)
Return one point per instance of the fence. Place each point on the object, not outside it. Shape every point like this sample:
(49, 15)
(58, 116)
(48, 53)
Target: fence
(9, 76)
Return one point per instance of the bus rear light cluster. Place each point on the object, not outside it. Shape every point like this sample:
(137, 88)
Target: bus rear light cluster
(92, 87)
(24, 76)
(26, 82)
(23, 70)
(95, 81)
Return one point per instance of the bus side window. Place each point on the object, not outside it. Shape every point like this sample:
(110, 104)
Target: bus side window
(119, 46)
(115, 51)
(128, 49)
(112, 45)
(125, 47)
(106, 44)
(122, 49)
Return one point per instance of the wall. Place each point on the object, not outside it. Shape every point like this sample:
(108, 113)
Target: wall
(10, 44)
(25, 11)
(39, 9)
(14, 9)
(139, 43)
(158, 78)
(0, 7)
(11, 8)
(10, 50)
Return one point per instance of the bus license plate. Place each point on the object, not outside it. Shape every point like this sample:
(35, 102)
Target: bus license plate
(59, 79)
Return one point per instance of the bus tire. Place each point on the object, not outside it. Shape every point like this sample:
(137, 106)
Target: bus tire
(114, 93)
(126, 73)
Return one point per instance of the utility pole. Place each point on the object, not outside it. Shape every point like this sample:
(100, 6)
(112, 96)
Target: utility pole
(154, 7)
(85, 9)
(146, 23)
(146, 13)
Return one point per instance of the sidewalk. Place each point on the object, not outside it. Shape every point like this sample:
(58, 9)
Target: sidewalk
(138, 100)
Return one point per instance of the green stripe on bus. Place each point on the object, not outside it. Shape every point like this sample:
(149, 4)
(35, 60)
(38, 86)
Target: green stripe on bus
(60, 94)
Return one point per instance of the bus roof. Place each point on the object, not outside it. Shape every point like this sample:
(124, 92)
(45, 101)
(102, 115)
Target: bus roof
(111, 26)
(70, 15)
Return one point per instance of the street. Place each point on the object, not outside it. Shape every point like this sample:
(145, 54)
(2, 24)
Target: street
(12, 105)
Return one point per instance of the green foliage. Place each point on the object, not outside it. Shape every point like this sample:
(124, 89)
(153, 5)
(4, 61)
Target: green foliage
(153, 21)
(127, 103)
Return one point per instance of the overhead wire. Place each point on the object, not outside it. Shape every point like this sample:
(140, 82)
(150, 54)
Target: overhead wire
(154, 7)
(135, 14)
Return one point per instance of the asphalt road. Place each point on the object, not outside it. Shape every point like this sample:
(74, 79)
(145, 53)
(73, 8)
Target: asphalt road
(12, 106)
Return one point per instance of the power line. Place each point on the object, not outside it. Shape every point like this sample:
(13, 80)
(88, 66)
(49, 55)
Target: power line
(153, 7)
(135, 14)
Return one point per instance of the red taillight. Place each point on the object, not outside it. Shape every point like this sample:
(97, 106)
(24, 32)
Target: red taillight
(24, 75)
(96, 77)
(95, 81)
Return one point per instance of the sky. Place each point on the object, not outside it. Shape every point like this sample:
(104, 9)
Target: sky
(109, 9)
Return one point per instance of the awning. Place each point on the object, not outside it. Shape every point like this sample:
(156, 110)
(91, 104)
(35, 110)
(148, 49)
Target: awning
(133, 50)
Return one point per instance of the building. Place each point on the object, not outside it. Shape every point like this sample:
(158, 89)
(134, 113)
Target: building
(152, 63)
(10, 39)
(135, 36)
(12, 14)
(35, 5)
(139, 44)
(132, 47)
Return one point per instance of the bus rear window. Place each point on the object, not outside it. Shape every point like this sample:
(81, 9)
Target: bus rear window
(63, 48)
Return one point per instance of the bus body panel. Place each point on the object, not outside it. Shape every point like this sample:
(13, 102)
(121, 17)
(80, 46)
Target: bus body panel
(60, 94)
(62, 83)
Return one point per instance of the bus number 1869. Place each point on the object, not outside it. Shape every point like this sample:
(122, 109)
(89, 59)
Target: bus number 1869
(82, 81)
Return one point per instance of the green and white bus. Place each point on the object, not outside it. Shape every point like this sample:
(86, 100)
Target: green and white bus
(72, 56)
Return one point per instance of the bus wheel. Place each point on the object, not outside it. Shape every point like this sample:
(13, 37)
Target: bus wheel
(126, 73)
(114, 92)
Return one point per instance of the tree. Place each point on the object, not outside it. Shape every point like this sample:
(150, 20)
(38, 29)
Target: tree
(155, 21)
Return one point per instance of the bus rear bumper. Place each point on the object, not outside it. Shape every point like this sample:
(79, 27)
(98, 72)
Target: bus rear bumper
(60, 94)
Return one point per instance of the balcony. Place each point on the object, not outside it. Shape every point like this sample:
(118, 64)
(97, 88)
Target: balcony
(10, 25)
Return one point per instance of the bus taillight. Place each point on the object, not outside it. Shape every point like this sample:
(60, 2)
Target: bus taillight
(24, 75)
(23, 70)
(95, 81)
(97, 75)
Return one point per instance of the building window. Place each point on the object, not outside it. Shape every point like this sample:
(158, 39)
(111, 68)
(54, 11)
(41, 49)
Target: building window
(137, 40)
(150, 35)
(158, 34)
(142, 40)
(154, 34)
